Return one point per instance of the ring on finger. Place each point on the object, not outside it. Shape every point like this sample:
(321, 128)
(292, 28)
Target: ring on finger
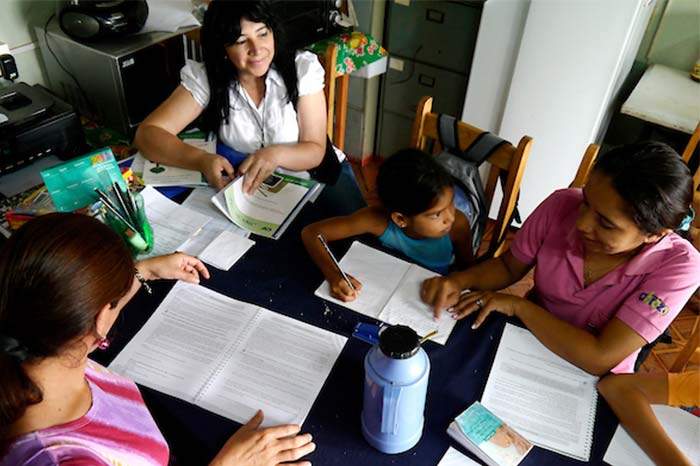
(480, 303)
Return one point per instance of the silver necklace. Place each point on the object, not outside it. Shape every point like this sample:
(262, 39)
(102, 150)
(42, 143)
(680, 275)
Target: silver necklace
(260, 122)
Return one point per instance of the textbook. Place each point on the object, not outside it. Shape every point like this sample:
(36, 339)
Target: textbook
(216, 352)
(390, 291)
(271, 208)
(488, 437)
(541, 395)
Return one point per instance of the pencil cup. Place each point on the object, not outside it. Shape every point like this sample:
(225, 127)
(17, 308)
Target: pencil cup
(140, 241)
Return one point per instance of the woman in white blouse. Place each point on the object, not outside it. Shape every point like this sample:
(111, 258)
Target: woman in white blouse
(243, 91)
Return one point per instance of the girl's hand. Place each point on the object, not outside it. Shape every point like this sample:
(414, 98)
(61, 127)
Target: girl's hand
(258, 166)
(440, 293)
(340, 289)
(485, 302)
(177, 266)
(251, 446)
(212, 166)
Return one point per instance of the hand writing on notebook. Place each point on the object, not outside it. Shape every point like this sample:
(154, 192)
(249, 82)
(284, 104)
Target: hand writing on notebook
(252, 446)
(341, 290)
(177, 266)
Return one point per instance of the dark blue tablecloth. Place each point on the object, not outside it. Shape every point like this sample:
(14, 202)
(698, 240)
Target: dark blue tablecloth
(279, 276)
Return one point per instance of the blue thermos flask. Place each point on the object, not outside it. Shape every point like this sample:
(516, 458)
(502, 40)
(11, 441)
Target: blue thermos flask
(396, 382)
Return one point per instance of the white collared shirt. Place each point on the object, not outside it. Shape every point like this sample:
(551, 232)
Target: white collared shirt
(275, 113)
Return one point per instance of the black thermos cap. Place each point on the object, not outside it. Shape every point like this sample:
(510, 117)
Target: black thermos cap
(399, 342)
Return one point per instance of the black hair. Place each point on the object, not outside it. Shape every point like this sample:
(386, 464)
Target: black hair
(56, 273)
(410, 181)
(221, 28)
(653, 181)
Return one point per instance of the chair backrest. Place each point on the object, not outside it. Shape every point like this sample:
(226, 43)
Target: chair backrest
(505, 159)
(586, 166)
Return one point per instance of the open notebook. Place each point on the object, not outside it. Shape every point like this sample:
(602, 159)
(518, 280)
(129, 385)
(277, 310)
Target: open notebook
(390, 291)
(215, 352)
(547, 399)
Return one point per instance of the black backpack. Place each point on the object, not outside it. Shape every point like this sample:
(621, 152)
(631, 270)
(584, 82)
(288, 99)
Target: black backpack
(463, 166)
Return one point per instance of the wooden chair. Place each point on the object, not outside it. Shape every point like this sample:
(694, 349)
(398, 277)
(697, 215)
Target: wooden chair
(506, 158)
(336, 91)
(336, 87)
(586, 166)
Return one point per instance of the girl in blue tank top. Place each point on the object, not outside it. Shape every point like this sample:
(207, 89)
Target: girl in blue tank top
(417, 218)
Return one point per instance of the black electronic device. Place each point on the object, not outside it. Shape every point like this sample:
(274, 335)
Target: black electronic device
(8, 67)
(96, 19)
(308, 21)
(35, 124)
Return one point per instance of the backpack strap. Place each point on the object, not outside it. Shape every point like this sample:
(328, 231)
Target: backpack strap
(447, 132)
(482, 147)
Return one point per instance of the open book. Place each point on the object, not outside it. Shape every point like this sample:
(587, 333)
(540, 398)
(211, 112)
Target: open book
(390, 291)
(681, 426)
(544, 397)
(271, 208)
(216, 352)
(488, 437)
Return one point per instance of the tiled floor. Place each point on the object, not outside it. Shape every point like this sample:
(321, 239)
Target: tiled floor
(661, 357)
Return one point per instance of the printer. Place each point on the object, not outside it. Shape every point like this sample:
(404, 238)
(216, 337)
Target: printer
(34, 124)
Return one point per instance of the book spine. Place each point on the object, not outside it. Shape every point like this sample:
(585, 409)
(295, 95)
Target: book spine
(226, 357)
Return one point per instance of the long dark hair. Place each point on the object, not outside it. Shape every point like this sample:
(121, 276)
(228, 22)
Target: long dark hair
(410, 181)
(653, 181)
(56, 273)
(221, 28)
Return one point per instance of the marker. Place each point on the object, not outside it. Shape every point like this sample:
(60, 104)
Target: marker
(337, 265)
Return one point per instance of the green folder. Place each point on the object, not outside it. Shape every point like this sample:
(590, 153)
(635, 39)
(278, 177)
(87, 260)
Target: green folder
(72, 184)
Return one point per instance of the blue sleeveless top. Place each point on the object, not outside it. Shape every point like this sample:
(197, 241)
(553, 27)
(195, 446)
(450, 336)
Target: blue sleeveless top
(433, 253)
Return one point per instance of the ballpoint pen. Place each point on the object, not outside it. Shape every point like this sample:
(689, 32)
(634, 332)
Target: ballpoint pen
(337, 265)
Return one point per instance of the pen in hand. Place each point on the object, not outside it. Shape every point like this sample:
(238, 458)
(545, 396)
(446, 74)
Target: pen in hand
(335, 262)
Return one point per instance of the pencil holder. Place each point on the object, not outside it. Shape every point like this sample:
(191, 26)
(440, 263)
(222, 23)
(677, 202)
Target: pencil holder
(140, 241)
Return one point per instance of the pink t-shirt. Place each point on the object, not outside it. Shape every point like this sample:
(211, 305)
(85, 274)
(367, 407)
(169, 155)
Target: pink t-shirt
(645, 293)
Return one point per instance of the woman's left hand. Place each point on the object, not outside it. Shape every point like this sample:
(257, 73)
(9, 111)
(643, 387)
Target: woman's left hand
(177, 266)
(485, 302)
(258, 166)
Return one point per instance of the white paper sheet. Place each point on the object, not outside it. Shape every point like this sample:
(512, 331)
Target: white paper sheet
(168, 16)
(548, 400)
(172, 224)
(215, 351)
(454, 458)
(199, 200)
(225, 250)
(681, 426)
(390, 291)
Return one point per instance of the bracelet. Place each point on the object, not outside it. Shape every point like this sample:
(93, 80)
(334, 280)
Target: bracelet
(143, 281)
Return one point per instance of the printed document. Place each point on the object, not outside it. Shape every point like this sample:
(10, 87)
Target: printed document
(230, 357)
(390, 291)
(681, 426)
(157, 174)
(271, 208)
(548, 400)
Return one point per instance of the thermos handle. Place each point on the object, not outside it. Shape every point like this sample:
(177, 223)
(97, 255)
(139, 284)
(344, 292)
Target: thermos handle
(390, 409)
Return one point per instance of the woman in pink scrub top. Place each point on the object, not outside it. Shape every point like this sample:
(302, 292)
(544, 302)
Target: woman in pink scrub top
(613, 268)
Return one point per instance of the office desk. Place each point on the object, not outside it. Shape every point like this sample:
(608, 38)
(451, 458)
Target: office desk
(279, 276)
(667, 97)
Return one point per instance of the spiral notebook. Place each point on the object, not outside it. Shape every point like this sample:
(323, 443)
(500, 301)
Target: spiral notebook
(547, 399)
(215, 352)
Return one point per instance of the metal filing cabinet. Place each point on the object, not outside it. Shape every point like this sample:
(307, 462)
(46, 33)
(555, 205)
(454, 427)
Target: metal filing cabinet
(431, 46)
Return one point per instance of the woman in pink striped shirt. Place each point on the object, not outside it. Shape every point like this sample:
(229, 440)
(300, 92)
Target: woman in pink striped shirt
(64, 278)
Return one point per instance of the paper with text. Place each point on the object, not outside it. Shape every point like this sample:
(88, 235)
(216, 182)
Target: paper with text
(230, 357)
(390, 291)
(173, 225)
(548, 400)
(681, 426)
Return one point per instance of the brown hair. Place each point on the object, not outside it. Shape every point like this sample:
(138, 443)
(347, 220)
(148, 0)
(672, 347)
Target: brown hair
(56, 273)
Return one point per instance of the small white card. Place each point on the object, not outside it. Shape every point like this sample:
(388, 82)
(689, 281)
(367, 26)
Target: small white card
(456, 458)
(225, 250)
